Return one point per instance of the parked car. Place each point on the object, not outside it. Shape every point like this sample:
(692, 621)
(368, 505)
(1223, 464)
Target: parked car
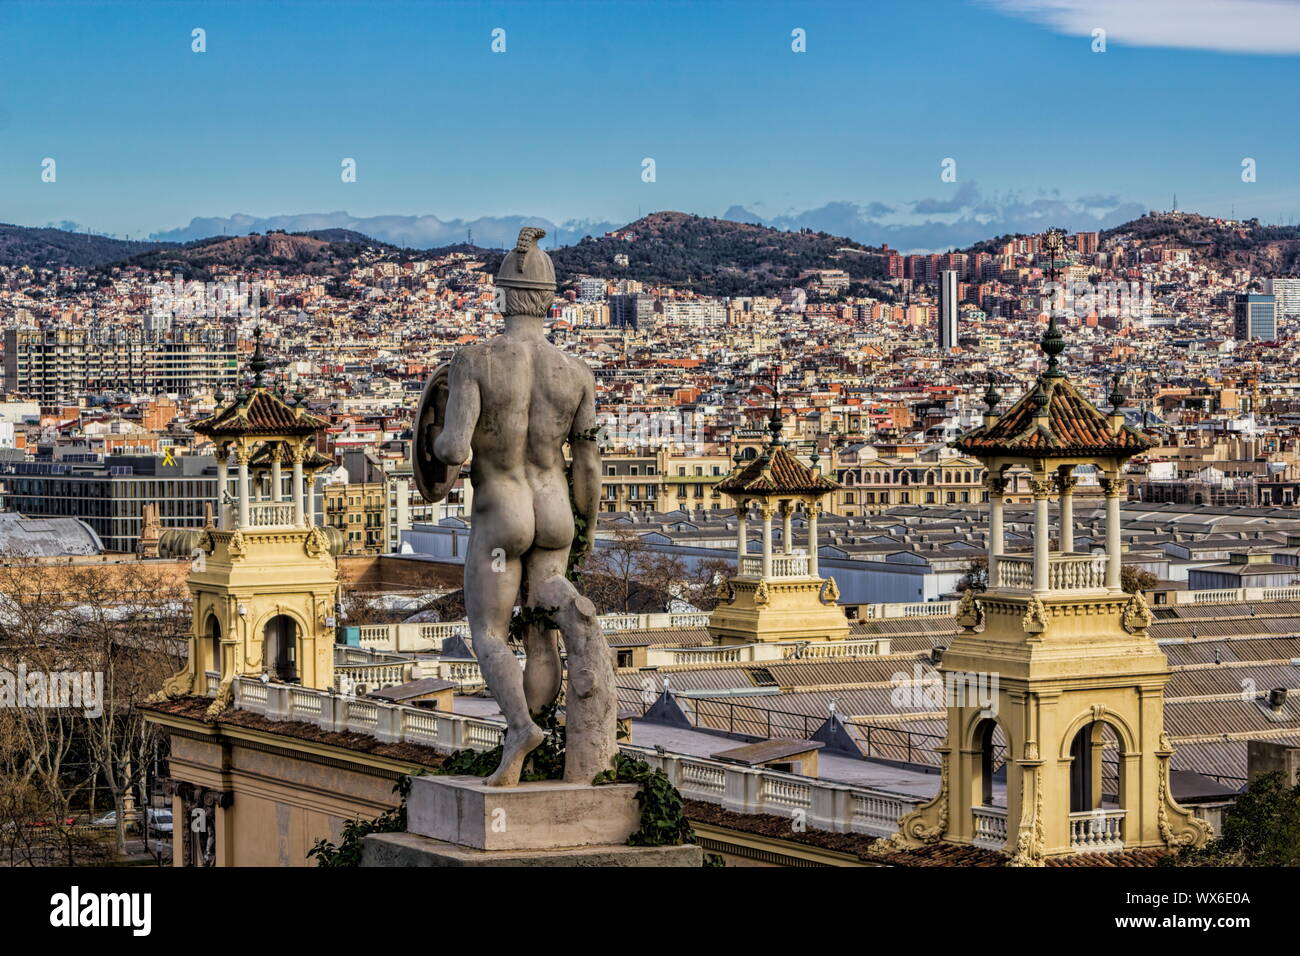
(160, 820)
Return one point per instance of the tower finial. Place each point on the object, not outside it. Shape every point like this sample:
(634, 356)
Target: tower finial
(1053, 343)
(774, 423)
(992, 397)
(257, 364)
(1116, 397)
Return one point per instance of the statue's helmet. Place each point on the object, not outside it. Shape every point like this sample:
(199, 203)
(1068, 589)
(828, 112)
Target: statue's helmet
(526, 266)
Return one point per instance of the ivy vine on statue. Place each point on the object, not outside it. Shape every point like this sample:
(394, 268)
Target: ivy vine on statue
(514, 402)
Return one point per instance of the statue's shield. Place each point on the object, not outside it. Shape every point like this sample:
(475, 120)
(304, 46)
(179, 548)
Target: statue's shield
(432, 477)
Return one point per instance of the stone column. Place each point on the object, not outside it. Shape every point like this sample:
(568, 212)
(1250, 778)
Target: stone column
(997, 537)
(814, 508)
(223, 481)
(311, 501)
(277, 475)
(767, 540)
(1113, 486)
(241, 458)
(298, 515)
(787, 513)
(1042, 489)
(1065, 483)
(741, 509)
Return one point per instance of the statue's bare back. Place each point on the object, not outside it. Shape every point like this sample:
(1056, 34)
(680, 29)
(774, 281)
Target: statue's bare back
(529, 394)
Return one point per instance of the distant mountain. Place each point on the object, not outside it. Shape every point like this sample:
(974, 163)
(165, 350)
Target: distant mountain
(1264, 250)
(324, 252)
(54, 248)
(713, 256)
(415, 232)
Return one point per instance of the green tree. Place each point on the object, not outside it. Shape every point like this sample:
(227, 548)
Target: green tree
(1261, 829)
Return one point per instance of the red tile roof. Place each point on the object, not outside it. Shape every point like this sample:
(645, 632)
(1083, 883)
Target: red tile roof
(260, 412)
(1073, 426)
(776, 471)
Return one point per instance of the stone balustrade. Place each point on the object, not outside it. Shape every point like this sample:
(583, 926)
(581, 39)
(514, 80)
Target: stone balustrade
(271, 514)
(991, 827)
(1065, 572)
(1097, 831)
(783, 566)
(712, 654)
(820, 804)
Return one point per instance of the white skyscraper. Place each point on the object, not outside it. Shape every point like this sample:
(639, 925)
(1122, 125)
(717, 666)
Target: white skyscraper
(948, 309)
(1286, 293)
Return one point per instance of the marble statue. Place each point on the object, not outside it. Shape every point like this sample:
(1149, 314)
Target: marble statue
(510, 405)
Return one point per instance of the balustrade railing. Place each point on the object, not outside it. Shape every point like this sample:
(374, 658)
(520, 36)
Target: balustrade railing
(825, 804)
(1065, 572)
(271, 514)
(783, 566)
(1097, 831)
(991, 827)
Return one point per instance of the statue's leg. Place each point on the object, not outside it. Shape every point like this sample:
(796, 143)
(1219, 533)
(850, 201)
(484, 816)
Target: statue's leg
(543, 671)
(489, 601)
(591, 705)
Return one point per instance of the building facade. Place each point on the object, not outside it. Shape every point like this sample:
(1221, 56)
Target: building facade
(53, 367)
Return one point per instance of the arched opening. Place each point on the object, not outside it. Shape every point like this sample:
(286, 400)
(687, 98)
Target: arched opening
(280, 645)
(1096, 782)
(214, 643)
(992, 744)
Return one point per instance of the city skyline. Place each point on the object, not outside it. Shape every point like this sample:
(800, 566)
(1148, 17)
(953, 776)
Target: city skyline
(447, 135)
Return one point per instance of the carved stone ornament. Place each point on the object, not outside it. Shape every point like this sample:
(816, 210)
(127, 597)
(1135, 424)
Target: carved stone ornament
(1137, 616)
(726, 593)
(830, 592)
(761, 595)
(970, 614)
(236, 547)
(316, 544)
(1042, 487)
(1035, 619)
(206, 541)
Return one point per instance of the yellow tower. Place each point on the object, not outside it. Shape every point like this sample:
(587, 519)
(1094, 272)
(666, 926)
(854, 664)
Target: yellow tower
(264, 581)
(777, 597)
(1053, 674)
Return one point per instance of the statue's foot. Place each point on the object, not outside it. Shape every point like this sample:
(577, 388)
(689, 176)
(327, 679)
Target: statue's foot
(516, 749)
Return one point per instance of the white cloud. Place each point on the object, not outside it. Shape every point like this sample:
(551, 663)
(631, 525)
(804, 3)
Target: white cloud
(1225, 26)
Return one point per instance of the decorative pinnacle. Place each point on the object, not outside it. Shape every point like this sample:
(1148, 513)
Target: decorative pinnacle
(992, 396)
(257, 364)
(775, 424)
(1053, 344)
(1116, 397)
(1040, 396)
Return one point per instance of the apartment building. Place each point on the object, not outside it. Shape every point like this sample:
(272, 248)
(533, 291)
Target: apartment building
(110, 492)
(54, 367)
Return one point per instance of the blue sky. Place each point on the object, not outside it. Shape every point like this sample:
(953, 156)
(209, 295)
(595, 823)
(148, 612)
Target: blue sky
(849, 135)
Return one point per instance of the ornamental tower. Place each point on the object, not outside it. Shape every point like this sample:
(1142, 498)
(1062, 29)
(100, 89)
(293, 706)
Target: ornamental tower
(264, 581)
(1053, 675)
(777, 596)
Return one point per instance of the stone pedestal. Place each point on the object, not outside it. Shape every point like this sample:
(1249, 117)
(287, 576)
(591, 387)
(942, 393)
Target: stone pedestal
(459, 821)
(408, 849)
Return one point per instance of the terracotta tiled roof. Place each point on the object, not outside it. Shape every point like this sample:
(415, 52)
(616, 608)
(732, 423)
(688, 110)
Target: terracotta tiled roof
(260, 412)
(267, 454)
(776, 471)
(1073, 426)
